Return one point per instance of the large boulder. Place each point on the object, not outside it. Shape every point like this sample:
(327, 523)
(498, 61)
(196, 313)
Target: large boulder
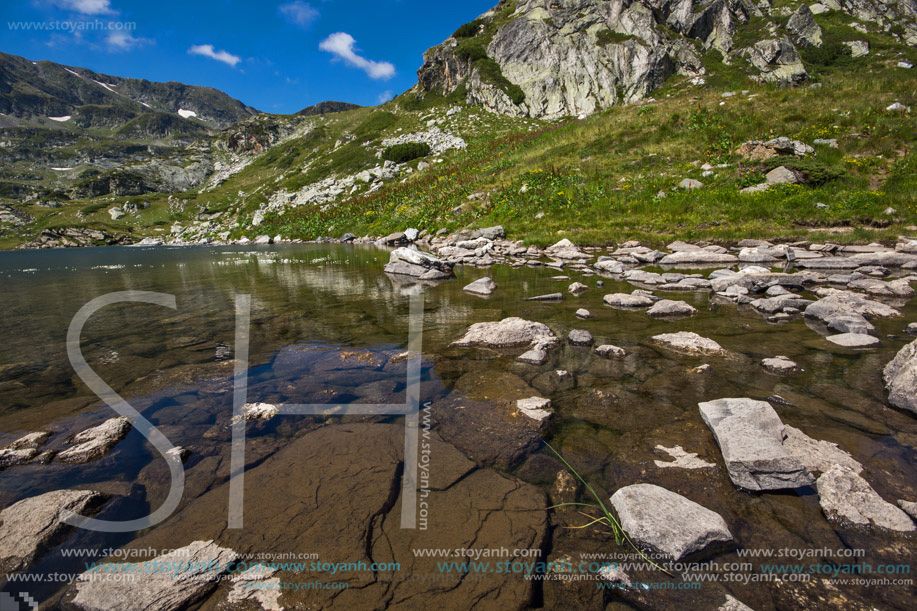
(803, 29)
(32, 526)
(507, 333)
(835, 303)
(901, 379)
(409, 262)
(844, 495)
(667, 522)
(193, 572)
(750, 435)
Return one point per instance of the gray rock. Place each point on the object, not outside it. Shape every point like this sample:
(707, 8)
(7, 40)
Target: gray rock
(158, 590)
(698, 256)
(689, 343)
(481, 286)
(667, 522)
(23, 449)
(900, 377)
(782, 176)
(818, 456)
(548, 297)
(844, 495)
(348, 237)
(690, 184)
(627, 300)
(411, 234)
(416, 264)
(858, 48)
(666, 308)
(262, 240)
(507, 333)
(608, 351)
(584, 314)
(803, 29)
(750, 436)
(577, 288)
(781, 364)
(854, 340)
(849, 323)
(533, 357)
(32, 526)
(911, 329)
(845, 302)
(733, 604)
(777, 60)
(756, 149)
(909, 508)
(491, 233)
(96, 442)
(536, 408)
(579, 337)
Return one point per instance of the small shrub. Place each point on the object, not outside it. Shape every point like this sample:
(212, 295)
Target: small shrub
(402, 153)
(610, 37)
(468, 30)
(814, 171)
(470, 50)
(92, 208)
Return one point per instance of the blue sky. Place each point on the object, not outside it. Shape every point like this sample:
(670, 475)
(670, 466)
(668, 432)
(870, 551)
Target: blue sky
(278, 56)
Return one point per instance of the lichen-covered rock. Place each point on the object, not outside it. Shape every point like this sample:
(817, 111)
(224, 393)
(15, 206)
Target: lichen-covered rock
(844, 495)
(803, 29)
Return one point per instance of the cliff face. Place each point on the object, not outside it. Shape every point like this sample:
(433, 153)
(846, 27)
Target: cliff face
(555, 58)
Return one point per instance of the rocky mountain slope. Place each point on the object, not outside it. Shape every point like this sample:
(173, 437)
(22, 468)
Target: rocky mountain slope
(608, 121)
(555, 58)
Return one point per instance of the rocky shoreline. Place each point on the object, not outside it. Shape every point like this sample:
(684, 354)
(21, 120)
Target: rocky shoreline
(493, 423)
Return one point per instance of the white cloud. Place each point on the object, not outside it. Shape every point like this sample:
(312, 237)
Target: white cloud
(342, 45)
(122, 41)
(86, 7)
(299, 12)
(385, 96)
(220, 56)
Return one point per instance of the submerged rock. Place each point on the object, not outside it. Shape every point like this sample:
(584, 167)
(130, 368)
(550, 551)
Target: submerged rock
(584, 314)
(482, 286)
(844, 495)
(608, 351)
(577, 288)
(698, 256)
(781, 364)
(900, 377)
(846, 303)
(579, 337)
(507, 333)
(416, 264)
(668, 522)
(683, 460)
(750, 436)
(32, 526)
(854, 340)
(689, 343)
(818, 456)
(203, 563)
(96, 442)
(23, 449)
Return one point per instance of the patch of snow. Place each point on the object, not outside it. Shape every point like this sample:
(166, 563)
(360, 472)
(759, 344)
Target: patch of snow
(109, 87)
(60, 119)
(186, 113)
(62, 169)
(72, 72)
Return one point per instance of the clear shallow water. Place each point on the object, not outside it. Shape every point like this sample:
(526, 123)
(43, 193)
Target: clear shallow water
(312, 302)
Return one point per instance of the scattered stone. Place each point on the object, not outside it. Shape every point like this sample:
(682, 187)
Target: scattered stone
(905, 65)
(698, 256)
(667, 522)
(689, 342)
(683, 460)
(854, 340)
(706, 368)
(845, 302)
(750, 436)
(32, 526)
(844, 495)
(900, 377)
(566, 250)
(822, 206)
(579, 337)
(409, 262)
(23, 449)
(262, 240)
(690, 184)
(96, 442)
(158, 589)
(533, 357)
(482, 286)
(911, 329)
(548, 297)
(858, 48)
(782, 176)
(507, 333)
(536, 408)
(897, 107)
(584, 314)
(608, 351)
(577, 289)
(849, 323)
(781, 364)
(627, 300)
(666, 308)
(759, 150)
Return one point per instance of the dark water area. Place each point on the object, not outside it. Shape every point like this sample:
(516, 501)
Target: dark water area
(325, 326)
